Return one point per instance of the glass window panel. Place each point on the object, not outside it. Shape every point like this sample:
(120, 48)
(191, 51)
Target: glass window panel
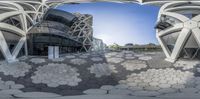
(170, 40)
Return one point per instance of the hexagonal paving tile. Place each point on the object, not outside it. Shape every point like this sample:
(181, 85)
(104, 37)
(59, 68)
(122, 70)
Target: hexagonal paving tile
(161, 78)
(56, 74)
(145, 58)
(114, 60)
(37, 95)
(97, 59)
(16, 69)
(134, 65)
(37, 60)
(78, 61)
(102, 69)
(185, 64)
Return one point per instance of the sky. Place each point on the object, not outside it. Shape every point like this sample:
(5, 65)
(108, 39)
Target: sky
(120, 23)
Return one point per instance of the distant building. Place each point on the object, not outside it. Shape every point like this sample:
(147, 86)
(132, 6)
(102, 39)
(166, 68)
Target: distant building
(129, 44)
(147, 47)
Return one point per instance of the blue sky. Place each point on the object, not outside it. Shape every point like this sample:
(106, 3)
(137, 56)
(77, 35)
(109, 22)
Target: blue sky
(120, 23)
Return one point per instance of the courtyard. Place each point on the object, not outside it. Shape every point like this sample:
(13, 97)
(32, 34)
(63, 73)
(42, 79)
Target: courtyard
(120, 75)
(99, 49)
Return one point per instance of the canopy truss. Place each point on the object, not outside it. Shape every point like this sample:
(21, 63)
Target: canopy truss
(182, 38)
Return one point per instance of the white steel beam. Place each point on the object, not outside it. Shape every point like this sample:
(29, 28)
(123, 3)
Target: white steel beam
(177, 11)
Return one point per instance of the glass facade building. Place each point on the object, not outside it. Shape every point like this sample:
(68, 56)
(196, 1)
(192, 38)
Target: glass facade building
(50, 33)
(33, 33)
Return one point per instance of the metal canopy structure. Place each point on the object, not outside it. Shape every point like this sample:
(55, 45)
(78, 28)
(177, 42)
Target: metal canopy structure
(182, 39)
(19, 16)
(58, 2)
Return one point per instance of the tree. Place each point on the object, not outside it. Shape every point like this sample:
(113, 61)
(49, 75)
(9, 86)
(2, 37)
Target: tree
(114, 46)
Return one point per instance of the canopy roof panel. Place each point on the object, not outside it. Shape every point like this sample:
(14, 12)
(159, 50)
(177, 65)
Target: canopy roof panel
(85, 1)
(134, 1)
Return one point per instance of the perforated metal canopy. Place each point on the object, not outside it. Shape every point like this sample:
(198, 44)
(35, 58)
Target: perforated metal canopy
(120, 1)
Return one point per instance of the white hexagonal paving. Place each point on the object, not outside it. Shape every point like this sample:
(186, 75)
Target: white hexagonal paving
(56, 74)
(58, 59)
(70, 56)
(97, 59)
(145, 58)
(185, 64)
(130, 57)
(114, 60)
(156, 83)
(139, 55)
(145, 82)
(111, 54)
(37, 60)
(78, 61)
(154, 79)
(16, 69)
(134, 65)
(83, 56)
(103, 69)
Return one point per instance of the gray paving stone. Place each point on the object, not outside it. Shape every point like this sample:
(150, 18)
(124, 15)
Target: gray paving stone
(180, 96)
(107, 87)
(5, 96)
(178, 86)
(142, 85)
(133, 84)
(95, 92)
(164, 85)
(11, 91)
(121, 86)
(154, 84)
(167, 90)
(190, 84)
(53, 84)
(151, 88)
(9, 83)
(37, 95)
(136, 88)
(146, 93)
(17, 86)
(2, 86)
(197, 87)
(120, 92)
(189, 90)
(106, 97)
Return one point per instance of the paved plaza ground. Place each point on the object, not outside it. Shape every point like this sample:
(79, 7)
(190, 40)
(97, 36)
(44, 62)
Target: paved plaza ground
(96, 75)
